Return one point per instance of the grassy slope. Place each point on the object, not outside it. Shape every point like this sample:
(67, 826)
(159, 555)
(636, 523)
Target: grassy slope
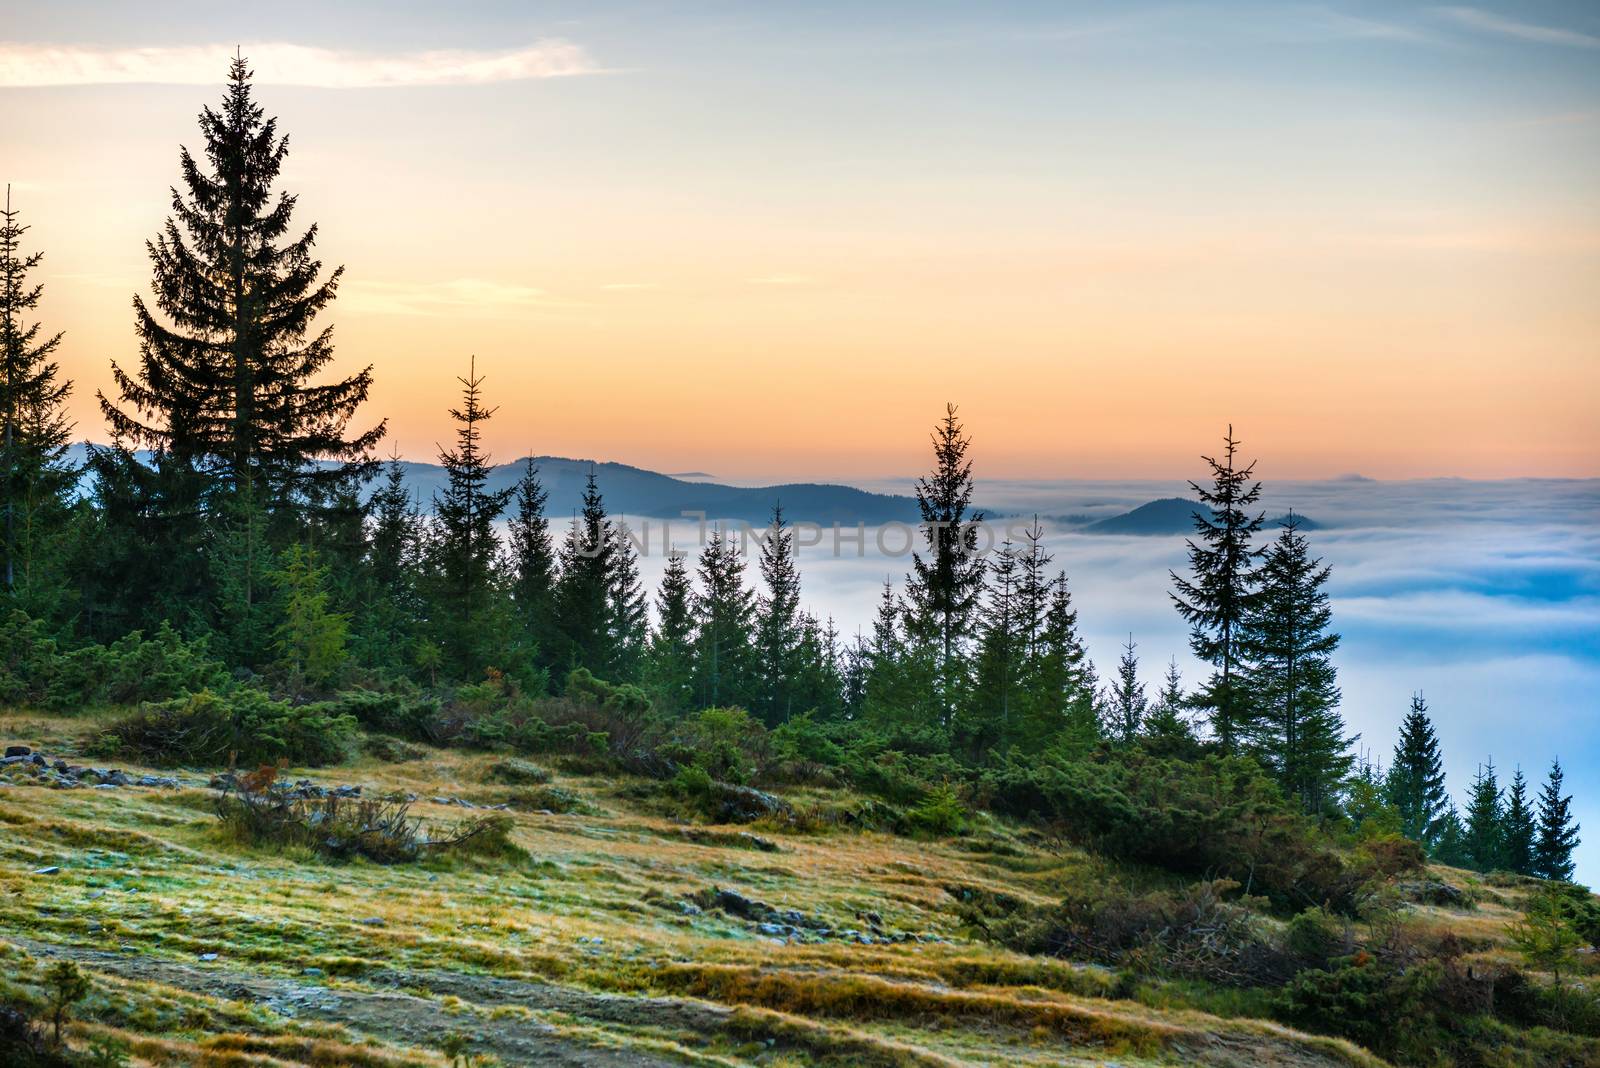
(580, 955)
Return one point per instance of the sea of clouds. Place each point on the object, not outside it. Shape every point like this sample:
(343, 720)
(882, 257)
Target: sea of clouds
(1485, 596)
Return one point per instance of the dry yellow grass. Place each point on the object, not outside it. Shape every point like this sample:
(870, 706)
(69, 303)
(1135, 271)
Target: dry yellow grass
(578, 953)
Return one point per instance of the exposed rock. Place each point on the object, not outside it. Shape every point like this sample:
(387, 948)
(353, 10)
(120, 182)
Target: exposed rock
(18, 751)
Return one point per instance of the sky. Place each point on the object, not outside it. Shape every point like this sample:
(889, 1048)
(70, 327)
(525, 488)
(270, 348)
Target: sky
(772, 243)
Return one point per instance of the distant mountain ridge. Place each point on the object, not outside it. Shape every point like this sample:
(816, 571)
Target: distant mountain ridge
(629, 490)
(1169, 515)
(635, 491)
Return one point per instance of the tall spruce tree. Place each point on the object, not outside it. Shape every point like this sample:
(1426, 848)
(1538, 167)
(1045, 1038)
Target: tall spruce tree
(1519, 832)
(583, 592)
(1485, 838)
(36, 482)
(1289, 646)
(1218, 599)
(725, 658)
(466, 545)
(778, 625)
(1415, 783)
(1128, 703)
(531, 564)
(226, 382)
(944, 588)
(1558, 835)
(669, 668)
(627, 610)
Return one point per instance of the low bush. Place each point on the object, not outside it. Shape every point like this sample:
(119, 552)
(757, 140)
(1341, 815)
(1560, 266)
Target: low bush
(1387, 1008)
(403, 715)
(254, 809)
(941, 812)
(547, 799)
(514, 772)
(243, 725)
(1217, 816)
(722, 802)
(725, 742)
(36, 670)
(1196, 932)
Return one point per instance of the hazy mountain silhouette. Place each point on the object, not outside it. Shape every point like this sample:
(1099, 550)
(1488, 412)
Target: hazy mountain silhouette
(1169, 515)
(632, 490)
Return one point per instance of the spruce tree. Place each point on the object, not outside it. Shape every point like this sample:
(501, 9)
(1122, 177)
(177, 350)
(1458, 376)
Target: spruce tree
(778, 630)
(943, 589)
(466, 544)
(1415, 783)
(1485, 821)
(1058, 705)
(818, 681)
(310, 640)
(395, 542)
(855, 669)
(226, 382)
(1286, 638)
(1000, 665)
(669, 670)
(1450, 840)
(36, 482)
(1033, 586)
(531, 564)
(584, 590)
(1128, 702)
(1165, 725)
(885, 687)
(627, 612)
(725, 658)
(1558, 835)
(1519, 832)
(1218, 599)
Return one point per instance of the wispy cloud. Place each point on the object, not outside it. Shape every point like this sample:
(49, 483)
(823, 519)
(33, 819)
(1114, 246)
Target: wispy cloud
(286, 64)
(449, 298)
(1489, 22)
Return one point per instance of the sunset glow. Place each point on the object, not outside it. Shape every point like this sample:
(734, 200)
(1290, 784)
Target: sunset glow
(1370, 242)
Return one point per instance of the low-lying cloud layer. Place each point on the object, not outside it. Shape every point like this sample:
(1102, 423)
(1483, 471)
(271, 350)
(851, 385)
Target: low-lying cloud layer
(280, 63)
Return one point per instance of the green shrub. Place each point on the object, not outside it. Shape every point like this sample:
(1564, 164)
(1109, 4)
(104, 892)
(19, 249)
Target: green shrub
(726, 742)
(940, 812)
(1316, 936)
(403, 715)
(244, 725)
(1387, 1008)
(35, 670)
(515, 772)
(1219, 816)
(1195, 932)
(803, 740)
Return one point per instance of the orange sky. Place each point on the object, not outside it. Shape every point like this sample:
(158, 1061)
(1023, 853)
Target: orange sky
(1366, 260)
